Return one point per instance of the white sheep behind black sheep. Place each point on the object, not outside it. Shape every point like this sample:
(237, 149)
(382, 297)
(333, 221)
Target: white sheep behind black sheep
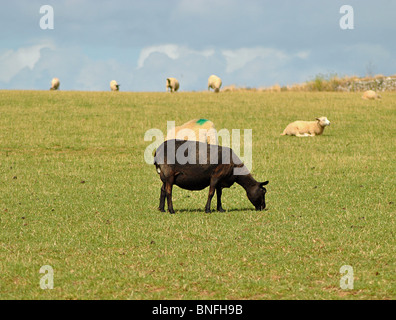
(202, 130)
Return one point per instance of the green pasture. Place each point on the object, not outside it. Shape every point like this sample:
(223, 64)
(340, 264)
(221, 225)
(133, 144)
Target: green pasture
(76, 194)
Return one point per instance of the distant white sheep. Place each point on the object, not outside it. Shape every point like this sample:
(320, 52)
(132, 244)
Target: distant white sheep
(114, 86)
(370, 95)
(55, 84)
(197, 130)
(306, 128)
(214, 82)
(172, 84)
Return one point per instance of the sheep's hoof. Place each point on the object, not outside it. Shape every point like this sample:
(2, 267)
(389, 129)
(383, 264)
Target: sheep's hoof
(172, 211)
(221, 210)
(208, 211)
(161, 209)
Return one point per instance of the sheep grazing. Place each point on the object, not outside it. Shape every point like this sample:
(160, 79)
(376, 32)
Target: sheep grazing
(197, 130)
(214, 82)
(370, 95)
(114, 86)
(204, 165)
(306, 128)
(55, 84)
(172, 84)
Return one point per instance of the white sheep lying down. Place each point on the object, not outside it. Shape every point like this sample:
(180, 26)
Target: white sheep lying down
(370, 95)
(201, 130)
(172, 84)
(214, 82)
(55, 84)
(306, 128)
(114, 86)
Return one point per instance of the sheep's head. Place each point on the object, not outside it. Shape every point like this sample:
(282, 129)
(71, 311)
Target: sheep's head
(323, 121)
(257, 195)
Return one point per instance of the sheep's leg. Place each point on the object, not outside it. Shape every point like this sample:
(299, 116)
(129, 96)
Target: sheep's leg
(162, 199)
(168, 191)
(218, 193)
(212, 189)
(210, 196)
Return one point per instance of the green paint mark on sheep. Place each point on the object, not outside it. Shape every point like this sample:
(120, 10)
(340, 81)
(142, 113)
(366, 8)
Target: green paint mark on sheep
(201, 121)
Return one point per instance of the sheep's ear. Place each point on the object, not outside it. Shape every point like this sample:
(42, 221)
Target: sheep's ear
(262, 184)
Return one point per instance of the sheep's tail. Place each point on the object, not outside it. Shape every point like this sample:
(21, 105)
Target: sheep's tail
(157, 166)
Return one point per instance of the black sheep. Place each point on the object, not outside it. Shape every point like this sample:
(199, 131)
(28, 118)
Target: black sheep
(195, 165)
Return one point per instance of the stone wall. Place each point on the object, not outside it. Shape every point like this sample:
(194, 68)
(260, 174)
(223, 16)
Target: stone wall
(376, 84)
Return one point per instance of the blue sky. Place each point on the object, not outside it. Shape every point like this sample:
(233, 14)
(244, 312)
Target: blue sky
(250, 43)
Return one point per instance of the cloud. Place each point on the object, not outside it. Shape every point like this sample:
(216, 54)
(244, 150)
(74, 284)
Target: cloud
(238, 58)
(76, 69)
(173, 51)
(12, 62)
(190, 66)
(248, 66)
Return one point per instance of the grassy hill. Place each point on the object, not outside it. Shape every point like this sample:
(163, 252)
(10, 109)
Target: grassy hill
(76, 194)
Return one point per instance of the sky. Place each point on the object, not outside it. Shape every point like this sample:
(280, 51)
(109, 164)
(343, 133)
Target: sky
(248, 43)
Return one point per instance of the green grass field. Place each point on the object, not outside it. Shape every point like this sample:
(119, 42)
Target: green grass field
(76, 194)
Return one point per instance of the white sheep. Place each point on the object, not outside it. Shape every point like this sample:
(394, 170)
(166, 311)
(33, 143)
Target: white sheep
(306, 128)
(55, 84)
(197, 130)
(214, 82)
(370, 95)
(172, 84)
(114, 86)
